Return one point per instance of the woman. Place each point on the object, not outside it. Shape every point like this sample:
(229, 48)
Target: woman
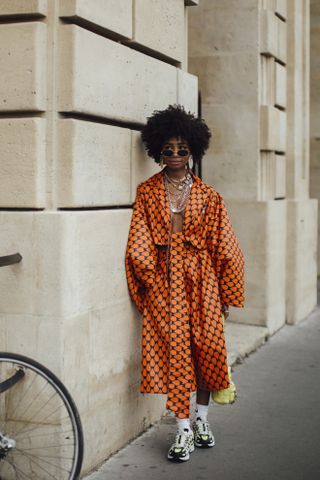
(184, 267)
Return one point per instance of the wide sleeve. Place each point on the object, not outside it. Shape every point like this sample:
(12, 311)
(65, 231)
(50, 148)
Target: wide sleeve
(227, 256)
(141, 253)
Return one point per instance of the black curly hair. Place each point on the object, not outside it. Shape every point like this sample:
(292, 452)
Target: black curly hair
(174, 121)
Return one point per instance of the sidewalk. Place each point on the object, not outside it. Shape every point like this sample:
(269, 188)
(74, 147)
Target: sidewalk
(271, 432)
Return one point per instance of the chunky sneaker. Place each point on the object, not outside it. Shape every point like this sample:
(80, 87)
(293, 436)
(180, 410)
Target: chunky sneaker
(203, 437)
(182, 447)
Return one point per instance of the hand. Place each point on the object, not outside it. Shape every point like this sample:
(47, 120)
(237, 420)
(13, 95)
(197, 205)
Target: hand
(225, 310)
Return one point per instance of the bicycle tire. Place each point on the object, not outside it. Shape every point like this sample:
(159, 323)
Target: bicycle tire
(38, 374)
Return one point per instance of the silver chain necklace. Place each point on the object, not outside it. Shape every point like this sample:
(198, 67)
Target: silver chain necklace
(179, 199)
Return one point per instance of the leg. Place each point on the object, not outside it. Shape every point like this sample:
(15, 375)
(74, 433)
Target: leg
(203, 396)
(203, 436)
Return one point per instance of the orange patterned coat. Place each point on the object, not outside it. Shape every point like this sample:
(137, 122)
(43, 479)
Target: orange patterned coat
(179, 281)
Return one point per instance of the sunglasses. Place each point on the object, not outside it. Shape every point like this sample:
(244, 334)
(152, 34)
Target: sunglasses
(168, 152)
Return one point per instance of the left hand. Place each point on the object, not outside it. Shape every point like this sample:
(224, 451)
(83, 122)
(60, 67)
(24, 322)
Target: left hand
(225, 310)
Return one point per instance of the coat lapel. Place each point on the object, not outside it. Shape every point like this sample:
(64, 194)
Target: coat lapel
(157, 189)
(196, 203)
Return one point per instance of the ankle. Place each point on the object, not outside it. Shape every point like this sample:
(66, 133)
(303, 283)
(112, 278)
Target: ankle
(183, 425)
(202, 412)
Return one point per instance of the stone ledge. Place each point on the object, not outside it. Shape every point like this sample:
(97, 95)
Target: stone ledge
(114, 17)
(243, 339)
(27, 7)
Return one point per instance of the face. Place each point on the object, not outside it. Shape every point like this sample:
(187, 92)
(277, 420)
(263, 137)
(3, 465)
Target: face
(175, 153)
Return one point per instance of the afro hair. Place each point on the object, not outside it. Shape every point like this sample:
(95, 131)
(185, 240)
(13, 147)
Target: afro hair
(174, 121)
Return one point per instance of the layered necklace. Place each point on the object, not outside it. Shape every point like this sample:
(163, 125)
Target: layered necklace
(179, 193)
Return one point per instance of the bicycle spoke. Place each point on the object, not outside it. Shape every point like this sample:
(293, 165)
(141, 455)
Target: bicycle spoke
(24, 396)
(16, 469)
(40, 457)
(28, 420)
(42, 468)
(62, 433)
(38, 413)
(49, 446)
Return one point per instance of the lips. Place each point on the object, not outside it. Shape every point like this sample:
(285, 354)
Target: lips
(177, 161)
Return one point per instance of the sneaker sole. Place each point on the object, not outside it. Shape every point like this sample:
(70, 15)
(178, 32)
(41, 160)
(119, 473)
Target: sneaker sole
(204, 445)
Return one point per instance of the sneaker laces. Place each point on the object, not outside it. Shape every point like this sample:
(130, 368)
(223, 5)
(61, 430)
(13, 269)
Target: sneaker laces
(182, 439)
(203, 426)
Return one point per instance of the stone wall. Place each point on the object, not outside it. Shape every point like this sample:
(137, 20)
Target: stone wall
(252, 64)
(315, 108)
(78, 79)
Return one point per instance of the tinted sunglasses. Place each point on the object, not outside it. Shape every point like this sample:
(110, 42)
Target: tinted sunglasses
(168, 152)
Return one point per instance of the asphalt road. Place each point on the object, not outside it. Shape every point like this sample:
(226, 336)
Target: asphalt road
(272, 432)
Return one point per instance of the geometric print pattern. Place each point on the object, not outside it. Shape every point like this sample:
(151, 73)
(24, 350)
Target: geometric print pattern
(183, 344)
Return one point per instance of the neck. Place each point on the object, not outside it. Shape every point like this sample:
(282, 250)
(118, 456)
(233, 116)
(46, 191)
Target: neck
(176, 174)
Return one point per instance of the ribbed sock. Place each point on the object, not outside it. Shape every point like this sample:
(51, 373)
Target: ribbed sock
(183, 424)
(202, 411)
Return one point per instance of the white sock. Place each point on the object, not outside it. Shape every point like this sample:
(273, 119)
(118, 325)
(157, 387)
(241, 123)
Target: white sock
(202, 411)
(183, 423)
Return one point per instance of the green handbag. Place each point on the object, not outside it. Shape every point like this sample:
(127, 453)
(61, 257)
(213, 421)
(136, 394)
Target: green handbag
(228, 395)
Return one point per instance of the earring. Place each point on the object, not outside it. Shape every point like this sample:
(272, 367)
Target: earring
(161, 163)
(190, 163)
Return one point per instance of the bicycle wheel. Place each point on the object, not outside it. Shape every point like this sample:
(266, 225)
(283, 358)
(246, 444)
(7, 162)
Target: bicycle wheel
(40, 430)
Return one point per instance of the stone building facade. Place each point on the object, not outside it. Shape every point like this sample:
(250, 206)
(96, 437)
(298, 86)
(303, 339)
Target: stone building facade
(315, 107)
(78, 78)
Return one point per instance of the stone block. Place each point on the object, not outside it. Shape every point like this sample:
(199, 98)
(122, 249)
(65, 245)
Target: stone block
(272, 176)
(282, 41)
(218, 27)
(82, 245)
(280, 85)
(269, 31)
(230, 164)
(263, 240)
(187, 91)
(22, 162)
(272, 128)
(281, 8)
(27, 7)
(269, 5)
(111, 80)
(273, 35)
(96, 240)
(142, 166)
(36, 336)
(94, 164)
(235, 78)
(268, 80)
(282, 133)
(111, 15)
(280, 176)
(35, 286)
(267, 175)
(160, 26)
(302, 235)
(23, 58)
